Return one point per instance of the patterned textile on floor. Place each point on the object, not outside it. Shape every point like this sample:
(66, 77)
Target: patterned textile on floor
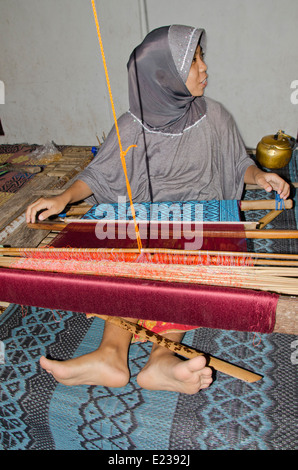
(38, 413)
(13, 181)
(17, 155)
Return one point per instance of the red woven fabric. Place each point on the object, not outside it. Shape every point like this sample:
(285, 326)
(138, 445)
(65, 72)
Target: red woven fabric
(205, 306)
(230, 237)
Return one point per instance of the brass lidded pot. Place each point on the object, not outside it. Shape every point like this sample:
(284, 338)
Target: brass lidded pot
(275, 151)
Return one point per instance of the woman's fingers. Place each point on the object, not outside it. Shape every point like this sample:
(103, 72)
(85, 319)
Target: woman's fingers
(48, 207)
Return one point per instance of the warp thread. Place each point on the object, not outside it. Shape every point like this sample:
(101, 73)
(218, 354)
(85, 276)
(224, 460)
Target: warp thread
(167, 258)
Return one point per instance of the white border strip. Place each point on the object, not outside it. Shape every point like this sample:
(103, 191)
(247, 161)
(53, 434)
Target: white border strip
(186, 52)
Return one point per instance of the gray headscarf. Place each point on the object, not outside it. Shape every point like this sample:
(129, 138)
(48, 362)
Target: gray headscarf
(157, 71)
(168, 164)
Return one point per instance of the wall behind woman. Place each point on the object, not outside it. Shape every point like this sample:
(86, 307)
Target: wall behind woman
(252, 58)
(51, 66)
(53, 79)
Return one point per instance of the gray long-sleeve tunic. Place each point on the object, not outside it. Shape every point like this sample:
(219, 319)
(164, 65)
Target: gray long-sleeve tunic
(205, 162)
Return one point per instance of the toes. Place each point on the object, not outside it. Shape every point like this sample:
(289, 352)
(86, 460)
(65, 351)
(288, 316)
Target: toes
(45, 363)
(196, 364)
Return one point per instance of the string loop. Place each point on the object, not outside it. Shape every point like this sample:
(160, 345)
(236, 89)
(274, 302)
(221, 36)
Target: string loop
(279, 203)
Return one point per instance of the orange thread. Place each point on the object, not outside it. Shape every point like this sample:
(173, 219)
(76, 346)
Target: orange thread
(54, 318)
(253, 342)
(23, 314)
(122, 153)
(199, 259)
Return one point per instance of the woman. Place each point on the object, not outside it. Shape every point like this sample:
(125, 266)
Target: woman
(187, 148)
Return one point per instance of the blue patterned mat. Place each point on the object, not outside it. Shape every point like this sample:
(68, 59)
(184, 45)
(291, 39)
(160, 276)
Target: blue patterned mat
(38, 413)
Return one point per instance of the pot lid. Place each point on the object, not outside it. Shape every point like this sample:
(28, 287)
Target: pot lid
(279, 140)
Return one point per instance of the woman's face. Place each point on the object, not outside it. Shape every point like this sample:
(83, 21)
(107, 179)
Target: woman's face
(197, 78)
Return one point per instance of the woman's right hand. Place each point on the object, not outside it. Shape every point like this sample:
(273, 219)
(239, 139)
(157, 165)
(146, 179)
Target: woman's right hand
(48, 206)
(54, 205)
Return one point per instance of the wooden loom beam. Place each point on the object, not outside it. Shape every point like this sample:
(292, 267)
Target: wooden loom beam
(268, 218)
(253, 234)
(265, 204)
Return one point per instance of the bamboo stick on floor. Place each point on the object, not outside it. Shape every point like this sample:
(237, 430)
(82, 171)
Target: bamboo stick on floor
(185, 351)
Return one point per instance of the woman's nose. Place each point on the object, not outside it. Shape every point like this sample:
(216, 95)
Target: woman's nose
(202, 66)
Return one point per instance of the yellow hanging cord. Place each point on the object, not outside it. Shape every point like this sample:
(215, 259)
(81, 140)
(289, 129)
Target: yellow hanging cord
(122, 153)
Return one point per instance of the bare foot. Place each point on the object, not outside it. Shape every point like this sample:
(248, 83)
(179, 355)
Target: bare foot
(168, 372)
(94, 368)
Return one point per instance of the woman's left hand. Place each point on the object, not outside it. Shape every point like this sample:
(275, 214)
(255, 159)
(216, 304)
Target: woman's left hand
(272, 181)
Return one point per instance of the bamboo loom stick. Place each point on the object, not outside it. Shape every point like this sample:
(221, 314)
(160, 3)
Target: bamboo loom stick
(268, 234)
(244, 206)
(264, 204)
(245, 225)
(20, 251)
(257, 187)
(253, 234)
(268, 218)
(185, 351)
